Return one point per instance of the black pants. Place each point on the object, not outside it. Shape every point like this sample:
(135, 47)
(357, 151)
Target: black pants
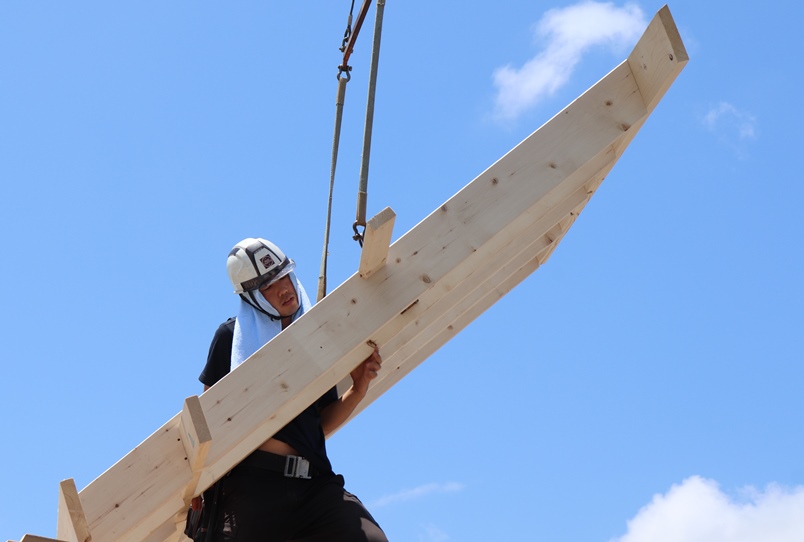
(261, 505)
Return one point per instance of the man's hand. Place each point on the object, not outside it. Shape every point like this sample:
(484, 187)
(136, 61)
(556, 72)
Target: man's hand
(338, 412)
(366, 372)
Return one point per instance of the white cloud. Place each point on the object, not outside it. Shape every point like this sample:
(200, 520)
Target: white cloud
(732, 127)
(724, 116)
(698, 511)
(417, 493)
(568, 33)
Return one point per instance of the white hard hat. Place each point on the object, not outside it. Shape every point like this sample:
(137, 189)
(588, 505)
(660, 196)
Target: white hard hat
(254, 263)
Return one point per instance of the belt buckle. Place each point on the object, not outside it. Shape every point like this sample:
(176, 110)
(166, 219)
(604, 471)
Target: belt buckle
(297, 467)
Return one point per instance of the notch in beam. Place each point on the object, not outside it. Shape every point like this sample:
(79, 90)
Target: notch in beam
(376, 240)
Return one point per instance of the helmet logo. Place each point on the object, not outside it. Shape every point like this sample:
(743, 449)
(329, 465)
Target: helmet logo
(267, 261)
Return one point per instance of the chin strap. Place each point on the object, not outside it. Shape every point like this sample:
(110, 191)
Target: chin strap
(273, 317)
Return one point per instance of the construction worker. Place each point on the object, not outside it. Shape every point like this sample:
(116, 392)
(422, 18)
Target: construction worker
(286, 489)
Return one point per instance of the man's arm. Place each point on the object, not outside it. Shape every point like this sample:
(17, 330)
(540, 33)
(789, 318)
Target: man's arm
(335, 414)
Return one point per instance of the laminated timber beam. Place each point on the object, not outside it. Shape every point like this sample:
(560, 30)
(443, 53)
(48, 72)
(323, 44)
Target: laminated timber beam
(435, 279)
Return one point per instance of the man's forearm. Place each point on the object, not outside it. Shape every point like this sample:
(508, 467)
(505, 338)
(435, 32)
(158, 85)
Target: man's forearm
(334, 415)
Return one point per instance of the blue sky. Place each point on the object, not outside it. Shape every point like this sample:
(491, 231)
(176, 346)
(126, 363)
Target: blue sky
(644, 385)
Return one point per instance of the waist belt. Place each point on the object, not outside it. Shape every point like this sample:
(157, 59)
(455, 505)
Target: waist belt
(291, 466)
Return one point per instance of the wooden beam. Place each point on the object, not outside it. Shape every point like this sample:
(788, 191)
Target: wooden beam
(409, 346)
(376, 240)
(34, 538)
(71, 524)
(436, 257)
(437, 278)
(415, 347)
(171, 530)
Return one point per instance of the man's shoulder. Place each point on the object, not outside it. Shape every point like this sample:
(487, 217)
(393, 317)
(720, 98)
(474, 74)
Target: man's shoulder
(223, 337)
(220, 353)
(226, 327)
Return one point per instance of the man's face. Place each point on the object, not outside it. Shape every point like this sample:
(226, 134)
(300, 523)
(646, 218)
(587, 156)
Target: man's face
(282, 296)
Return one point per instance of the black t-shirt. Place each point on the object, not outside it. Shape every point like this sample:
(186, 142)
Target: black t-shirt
(304, 432)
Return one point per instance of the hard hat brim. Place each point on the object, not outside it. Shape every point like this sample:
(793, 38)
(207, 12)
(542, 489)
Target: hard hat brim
(256, 284)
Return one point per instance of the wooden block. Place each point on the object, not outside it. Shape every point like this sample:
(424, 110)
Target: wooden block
(376, 240)
(72, 524)
(196, 439)
(195, 432)
(658, 58)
